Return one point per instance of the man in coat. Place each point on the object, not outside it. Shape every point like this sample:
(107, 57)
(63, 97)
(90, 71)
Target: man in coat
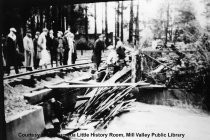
(11, 51)
(98, 47)
(28, 51)
(37, 51)
(52, 45)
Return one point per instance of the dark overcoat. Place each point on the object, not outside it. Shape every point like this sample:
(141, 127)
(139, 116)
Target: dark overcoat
(11, 53)
(98, 47)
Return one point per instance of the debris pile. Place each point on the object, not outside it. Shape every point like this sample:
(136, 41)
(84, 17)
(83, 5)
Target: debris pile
(105, 105)
(179, 68)
(14, 102)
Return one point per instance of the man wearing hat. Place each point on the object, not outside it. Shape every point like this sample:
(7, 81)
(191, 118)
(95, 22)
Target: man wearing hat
(28, 50)
(52, 46)
(11, 51)
(99, 45)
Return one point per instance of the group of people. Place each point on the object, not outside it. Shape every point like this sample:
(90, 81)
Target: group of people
(44, 49)
(116, 55)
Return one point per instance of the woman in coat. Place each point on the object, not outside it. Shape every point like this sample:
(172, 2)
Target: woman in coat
(29, 51)
(72, 48)
(42, 42)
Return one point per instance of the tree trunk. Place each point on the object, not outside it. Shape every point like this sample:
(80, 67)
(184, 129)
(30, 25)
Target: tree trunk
(86, 25)
(137, 26)
(106, 24)
(47, 17)
(131, 23)
(118, 19)
(167, 25)
(102, 31)
(115, 31)
(122, 37)
(95, 22)
(41, 19)
(33, 25)
(68, 19)
(62, 18)
(56, 24)
(59, 18)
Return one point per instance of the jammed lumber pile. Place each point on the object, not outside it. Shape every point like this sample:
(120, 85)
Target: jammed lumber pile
(106, 103)
(107, 99)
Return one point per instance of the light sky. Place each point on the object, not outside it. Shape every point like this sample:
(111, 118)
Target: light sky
(148, 9)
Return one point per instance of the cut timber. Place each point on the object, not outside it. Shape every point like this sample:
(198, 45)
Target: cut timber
(111, 80)
(82, 82)
(118, 75)
(153, 87)
(158, 69)
(82, 98)
(141, 83)
(36, 97)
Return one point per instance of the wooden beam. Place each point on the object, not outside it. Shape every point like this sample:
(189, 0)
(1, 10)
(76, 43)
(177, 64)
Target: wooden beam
(118, 75)
(101, 85)
(81, 82)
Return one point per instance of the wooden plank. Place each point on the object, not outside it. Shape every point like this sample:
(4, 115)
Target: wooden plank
(153, 87)
(82, 98)
(82, 82)
(141, 83)
(118, 75)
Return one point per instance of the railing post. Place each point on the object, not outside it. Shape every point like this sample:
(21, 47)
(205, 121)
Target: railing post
(136, 65)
